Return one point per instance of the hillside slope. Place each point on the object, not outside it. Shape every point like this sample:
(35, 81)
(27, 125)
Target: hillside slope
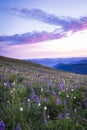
(79, 68)
(35, 73)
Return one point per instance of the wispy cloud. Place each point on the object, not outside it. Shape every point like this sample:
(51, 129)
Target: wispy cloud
(66, 23)
(29, 38)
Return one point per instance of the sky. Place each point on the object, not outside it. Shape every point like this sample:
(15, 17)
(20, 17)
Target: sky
(32, 29)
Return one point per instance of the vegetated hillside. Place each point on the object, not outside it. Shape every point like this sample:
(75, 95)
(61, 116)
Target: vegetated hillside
(79, 68)
(34, 97)
(36, 73)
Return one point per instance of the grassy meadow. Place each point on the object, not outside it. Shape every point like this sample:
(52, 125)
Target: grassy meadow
(34, 97)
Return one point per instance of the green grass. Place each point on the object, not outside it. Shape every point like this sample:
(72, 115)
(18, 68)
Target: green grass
(40, 98)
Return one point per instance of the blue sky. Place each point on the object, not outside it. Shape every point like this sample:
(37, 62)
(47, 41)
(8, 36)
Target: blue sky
(43, 29)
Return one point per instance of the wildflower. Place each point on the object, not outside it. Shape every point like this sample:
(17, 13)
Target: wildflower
(61, 86)
(27, 101)
(13, 89)
(59, 93)
(67, 96)
(5, 84)
(74, 97)
(18, 127)
(21, 108)
(72, 90)
(65, 103)
(60, 116)
(13, 83)
(41, 89)
(48, 116)
(32, 95)
(66, 88)
(39, 104)
(45, 108)
(45, 100)
(67, 115)
(58, 101)
(8, 102)
(85, 103)
(75, 110)
(37, 100)
(54, 93)
(2, 125)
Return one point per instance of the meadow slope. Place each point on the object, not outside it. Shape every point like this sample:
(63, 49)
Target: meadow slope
(35, 97)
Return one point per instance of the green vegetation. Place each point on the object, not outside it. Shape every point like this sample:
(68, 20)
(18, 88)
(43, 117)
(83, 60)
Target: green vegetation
(34, 97)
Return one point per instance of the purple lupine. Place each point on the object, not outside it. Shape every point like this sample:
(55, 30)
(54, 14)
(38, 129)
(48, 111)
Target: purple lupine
(2, 125)
(18, 127)
(37, 100)
(45, 100)
(58, 101)
(61, 116)
(6, 83)
(53, 93)
(65, 103)
(85, 102)
(67, 115)
(27, 100)
(32, 95)
(61, 86)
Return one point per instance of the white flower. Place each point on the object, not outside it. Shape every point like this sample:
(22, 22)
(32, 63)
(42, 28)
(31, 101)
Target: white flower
(21, 108)
(48, 116)
(39, 104)
(59, 93)
(41, 89)
(67, 95)
(74, 97)
(45, 108)
(72, 89)
(66, 88)
(75, 110)
(13, 89)
(13, 83)
(28, 100)
(8, 101)
(5, 84)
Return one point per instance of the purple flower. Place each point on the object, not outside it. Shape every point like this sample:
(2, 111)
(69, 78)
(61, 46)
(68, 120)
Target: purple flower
(27, 100)
(85, 103)
(65, 103)
(45, 100)
(58, 101)
(32, 95)
(60, 116)
(53, 93)
(67, 115)
(37, 100)
(6, 83)
(61, 86)
(18, 127)
(2, 125)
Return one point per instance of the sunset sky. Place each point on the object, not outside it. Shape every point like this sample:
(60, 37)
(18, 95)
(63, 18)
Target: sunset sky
(43, 28)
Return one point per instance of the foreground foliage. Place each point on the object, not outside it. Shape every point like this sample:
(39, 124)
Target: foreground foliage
(42, 100)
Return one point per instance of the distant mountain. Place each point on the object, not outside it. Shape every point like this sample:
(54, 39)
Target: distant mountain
(75, 65)
(51, 62)
(82, 61)
(79, 68)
